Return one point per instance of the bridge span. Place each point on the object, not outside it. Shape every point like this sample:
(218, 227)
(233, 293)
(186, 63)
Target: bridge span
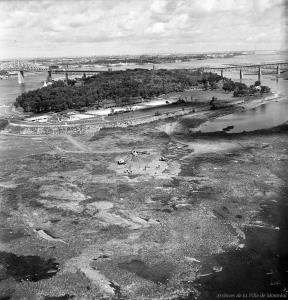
(260, 69)
(21, 66)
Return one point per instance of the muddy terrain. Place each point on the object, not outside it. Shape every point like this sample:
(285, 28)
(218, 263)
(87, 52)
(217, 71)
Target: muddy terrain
(180, 217)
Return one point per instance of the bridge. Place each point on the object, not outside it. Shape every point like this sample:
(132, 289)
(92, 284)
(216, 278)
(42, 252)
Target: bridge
(259, 69)
(21, 65)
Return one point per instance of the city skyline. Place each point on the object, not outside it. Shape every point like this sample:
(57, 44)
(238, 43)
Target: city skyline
(86, 28)
(127, 55)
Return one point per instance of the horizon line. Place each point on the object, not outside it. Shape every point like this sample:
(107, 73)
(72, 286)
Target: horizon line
(142, 54)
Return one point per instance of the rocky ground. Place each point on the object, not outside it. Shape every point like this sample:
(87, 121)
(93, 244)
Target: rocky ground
(183, 218)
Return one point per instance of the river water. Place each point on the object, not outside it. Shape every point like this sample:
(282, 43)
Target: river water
(262, 117)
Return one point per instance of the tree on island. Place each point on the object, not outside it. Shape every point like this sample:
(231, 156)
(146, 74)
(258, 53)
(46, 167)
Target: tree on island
(240, 89)
(265, 89)
(228, 85)
(110, 89)
(119, 88)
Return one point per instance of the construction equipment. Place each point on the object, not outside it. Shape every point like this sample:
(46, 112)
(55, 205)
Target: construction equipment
(121, 161)
(131, 155)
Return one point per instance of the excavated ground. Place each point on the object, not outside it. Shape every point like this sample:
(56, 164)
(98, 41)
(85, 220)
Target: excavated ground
(80, 226)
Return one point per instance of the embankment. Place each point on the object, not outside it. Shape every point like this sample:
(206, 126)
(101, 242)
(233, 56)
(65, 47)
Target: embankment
(91, 126)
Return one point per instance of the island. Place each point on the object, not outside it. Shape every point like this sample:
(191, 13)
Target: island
(124, 88)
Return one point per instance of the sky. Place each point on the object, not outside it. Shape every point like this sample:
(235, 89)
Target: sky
(42, 28)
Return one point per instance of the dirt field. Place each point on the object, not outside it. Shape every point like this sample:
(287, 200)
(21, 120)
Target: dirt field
(183, 218)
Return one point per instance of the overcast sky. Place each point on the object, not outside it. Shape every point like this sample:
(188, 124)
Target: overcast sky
(85, 27)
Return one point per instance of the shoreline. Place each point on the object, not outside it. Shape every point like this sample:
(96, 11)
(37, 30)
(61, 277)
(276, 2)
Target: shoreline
(247, 106)
(196, 109)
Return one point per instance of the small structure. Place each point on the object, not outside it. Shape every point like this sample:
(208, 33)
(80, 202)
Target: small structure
(162, 158)
(121, 161)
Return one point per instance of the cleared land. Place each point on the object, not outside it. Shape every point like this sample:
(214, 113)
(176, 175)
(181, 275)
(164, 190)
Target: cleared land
(184, 216)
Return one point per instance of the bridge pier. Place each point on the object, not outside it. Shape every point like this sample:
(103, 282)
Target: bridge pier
(241, 74)
(222, 73)
(259, 73)
(278, 70)
(49, 77)
(21, 77)
(66, 77)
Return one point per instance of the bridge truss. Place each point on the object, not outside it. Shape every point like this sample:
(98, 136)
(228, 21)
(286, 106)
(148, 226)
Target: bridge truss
(21, 65)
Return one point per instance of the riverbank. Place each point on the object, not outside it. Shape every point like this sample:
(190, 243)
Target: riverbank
(197, 102)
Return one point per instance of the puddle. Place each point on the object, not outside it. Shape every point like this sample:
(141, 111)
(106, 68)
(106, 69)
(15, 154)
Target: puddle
(158, 273)
(262, 117)
(27, 268)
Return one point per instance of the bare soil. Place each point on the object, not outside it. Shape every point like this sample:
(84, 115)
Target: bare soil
(152, 228)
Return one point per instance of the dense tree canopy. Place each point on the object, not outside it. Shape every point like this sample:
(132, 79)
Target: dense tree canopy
(120, 87)
(3, 72)
(241, 89)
